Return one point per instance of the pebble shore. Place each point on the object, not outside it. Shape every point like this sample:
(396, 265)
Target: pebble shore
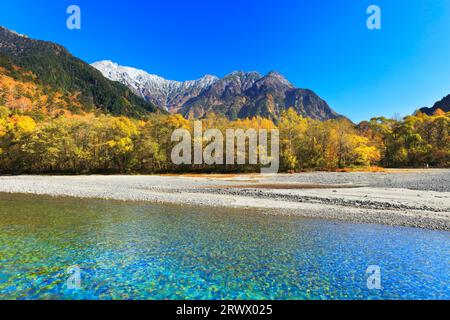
(412, 198)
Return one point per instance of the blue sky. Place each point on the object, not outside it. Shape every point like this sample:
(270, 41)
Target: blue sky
(322, 45)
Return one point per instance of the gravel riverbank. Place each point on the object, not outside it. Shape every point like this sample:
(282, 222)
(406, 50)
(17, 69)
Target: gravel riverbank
(414, 198)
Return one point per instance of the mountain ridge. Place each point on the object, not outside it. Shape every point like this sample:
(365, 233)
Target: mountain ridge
(443, 104)
(151, 87)
(239, 94)
(55, 66)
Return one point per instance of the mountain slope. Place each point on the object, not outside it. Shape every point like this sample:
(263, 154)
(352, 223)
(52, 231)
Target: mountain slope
(237, 95)
(273, 94)
(444, 105)
(226, 96)
(55, 66)
(20, 91)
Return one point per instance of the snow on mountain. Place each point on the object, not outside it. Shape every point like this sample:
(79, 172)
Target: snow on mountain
(166, 94)
(237, 95)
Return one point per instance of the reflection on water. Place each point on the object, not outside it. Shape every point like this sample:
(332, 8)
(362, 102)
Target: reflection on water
(147, 251)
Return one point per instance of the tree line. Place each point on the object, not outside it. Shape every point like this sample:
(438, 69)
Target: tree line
(68, 143)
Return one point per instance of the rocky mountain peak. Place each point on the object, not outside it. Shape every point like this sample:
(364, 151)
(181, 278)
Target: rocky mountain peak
(277, 77)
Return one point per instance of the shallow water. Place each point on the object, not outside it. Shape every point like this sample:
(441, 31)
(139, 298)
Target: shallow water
(147, 251)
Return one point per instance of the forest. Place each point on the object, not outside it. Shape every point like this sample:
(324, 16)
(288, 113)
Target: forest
(80, 144)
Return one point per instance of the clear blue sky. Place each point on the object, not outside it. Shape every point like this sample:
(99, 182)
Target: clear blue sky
(322, 45)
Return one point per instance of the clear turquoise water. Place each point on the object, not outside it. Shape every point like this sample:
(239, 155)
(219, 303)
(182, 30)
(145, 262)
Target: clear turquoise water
(146, 251)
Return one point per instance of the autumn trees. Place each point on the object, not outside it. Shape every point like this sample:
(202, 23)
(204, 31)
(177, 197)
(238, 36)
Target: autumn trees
(416, 141)
(32, 142)
(311, 144)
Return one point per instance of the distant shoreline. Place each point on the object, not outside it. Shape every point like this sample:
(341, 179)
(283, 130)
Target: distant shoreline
(411, 198)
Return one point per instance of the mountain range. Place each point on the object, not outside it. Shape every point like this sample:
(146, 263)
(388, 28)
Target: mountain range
(237, 95)
(118, 90)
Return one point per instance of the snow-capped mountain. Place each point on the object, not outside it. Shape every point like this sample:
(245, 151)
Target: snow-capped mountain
(237, 95)
(166, 94)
